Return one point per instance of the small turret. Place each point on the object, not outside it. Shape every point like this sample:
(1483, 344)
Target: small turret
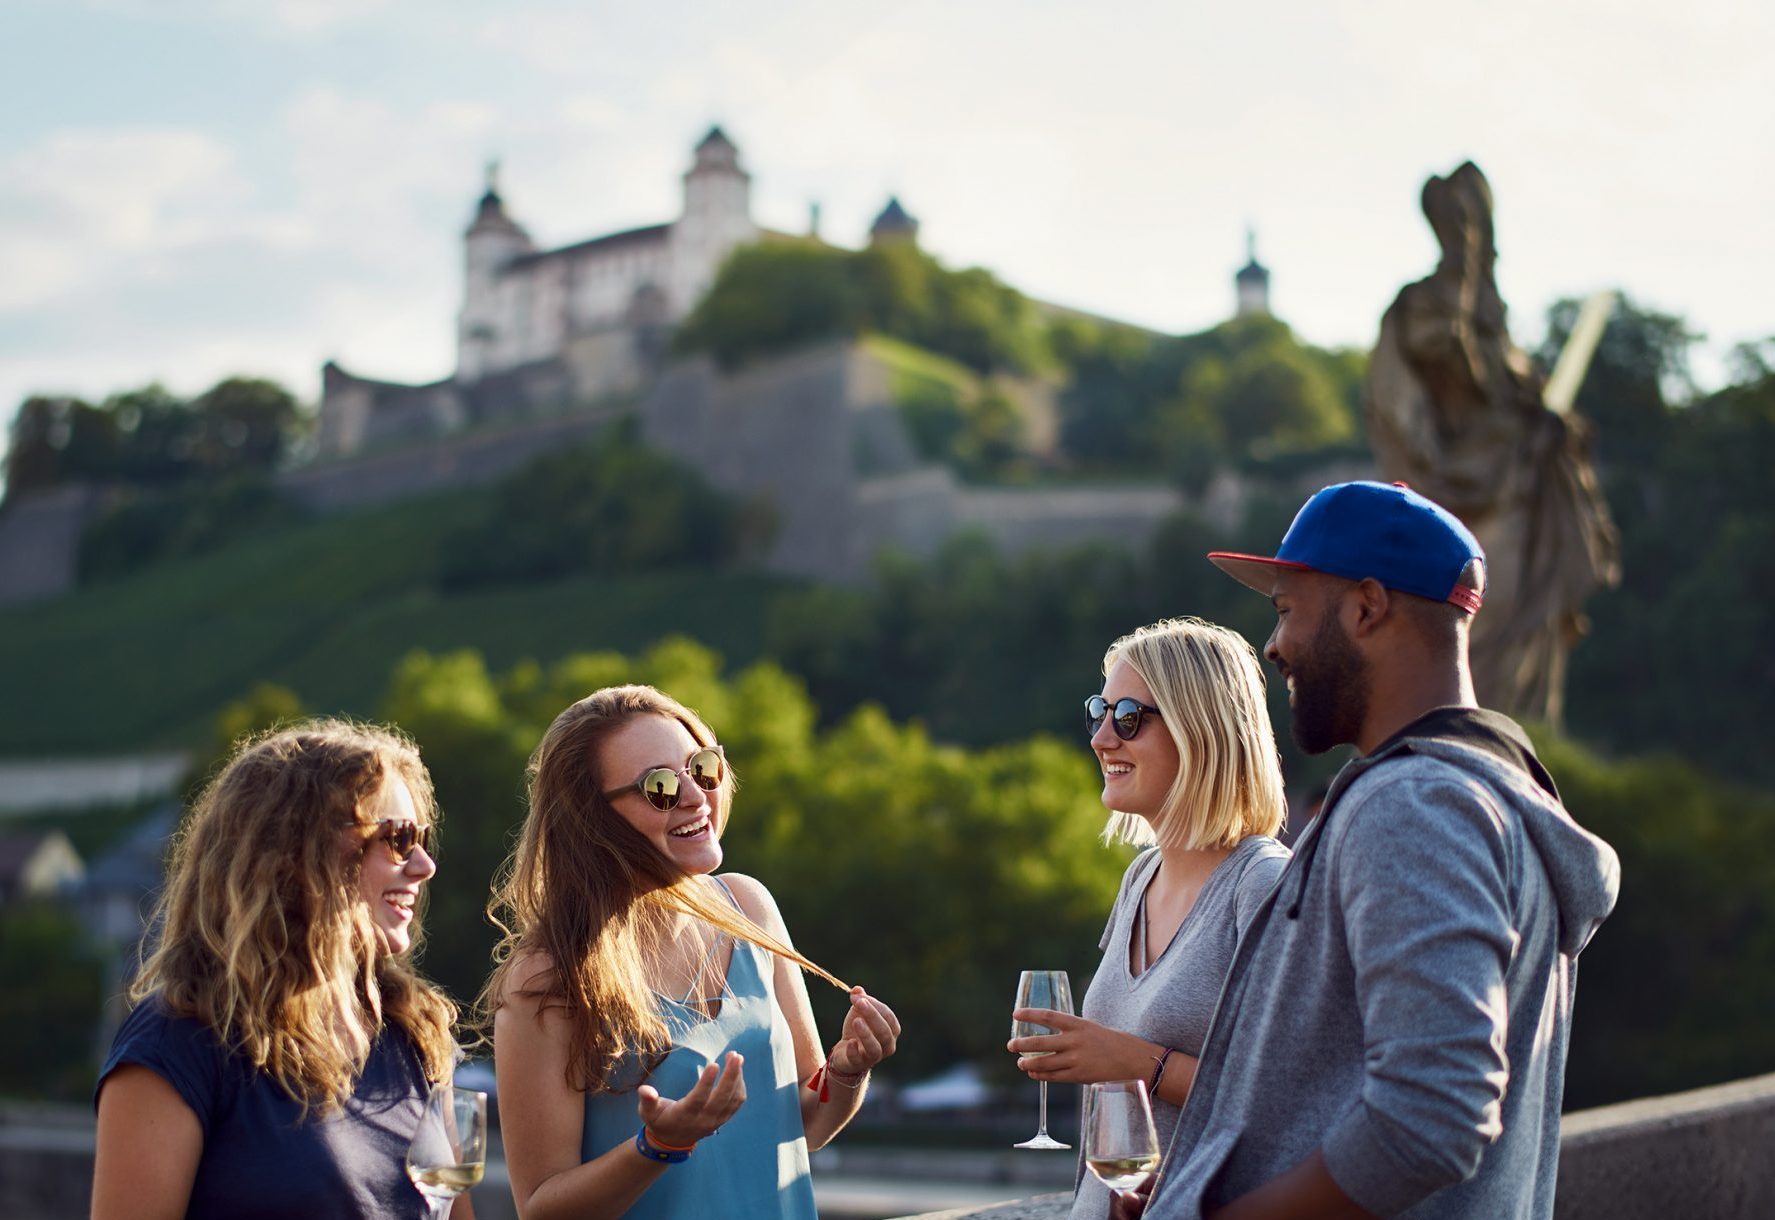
(715, 187)
(894, 224)
(492, 241)
(1252, 284)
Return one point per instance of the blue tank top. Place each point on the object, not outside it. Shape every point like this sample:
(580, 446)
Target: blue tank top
(756, 1165)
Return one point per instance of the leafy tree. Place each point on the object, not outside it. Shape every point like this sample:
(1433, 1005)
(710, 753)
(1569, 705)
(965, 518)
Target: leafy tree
(1639, 372)
(152, 438)
(1244, 393)
(771, 298)
(611, 506)
(1687, 485)
(779, 295)
(58, 440)
(977, 859)
(1677, 986)
(140, 529)
(245, 423)
(51, 977)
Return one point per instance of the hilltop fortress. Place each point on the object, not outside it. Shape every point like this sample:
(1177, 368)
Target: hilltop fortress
(549, 328)
(554, 345)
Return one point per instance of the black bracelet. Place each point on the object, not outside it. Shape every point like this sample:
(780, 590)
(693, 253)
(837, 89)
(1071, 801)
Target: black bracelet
(653, 1152)
(1159, 1071)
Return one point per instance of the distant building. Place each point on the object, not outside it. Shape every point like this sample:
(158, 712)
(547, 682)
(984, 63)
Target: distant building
(38, 864)
(549, 329)
(542, 331)
(1252, 283)
(894, 224)
(116, 902)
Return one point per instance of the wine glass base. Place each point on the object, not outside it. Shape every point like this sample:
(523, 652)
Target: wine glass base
(1043, 1141)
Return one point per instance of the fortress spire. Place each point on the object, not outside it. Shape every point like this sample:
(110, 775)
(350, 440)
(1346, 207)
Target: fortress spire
(1252, 284)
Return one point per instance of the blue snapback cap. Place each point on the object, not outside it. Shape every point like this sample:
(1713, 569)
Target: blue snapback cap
(1382, 530)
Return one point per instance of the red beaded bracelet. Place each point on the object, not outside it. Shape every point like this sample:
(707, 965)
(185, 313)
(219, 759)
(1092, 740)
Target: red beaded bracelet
(819, 1082)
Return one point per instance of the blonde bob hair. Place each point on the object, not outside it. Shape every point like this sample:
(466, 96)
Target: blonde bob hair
(263, 934)
(1209, 690)
(585, 897)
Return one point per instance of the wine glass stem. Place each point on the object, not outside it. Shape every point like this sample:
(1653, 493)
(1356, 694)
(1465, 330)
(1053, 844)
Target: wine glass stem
(1044, 1122)
(440, 1208)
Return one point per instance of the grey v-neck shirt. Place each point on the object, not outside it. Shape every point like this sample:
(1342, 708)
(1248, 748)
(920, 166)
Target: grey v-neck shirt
(1173, 1001)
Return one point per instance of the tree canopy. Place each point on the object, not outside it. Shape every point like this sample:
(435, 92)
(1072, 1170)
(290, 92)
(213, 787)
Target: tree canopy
(151, 437)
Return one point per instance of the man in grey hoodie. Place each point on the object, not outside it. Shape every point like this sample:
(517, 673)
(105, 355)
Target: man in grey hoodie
(1391, 1039)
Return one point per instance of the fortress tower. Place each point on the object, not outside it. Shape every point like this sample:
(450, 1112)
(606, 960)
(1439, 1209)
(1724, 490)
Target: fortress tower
(492, 242)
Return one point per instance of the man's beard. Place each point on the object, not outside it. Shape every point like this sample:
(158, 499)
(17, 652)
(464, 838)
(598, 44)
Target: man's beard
(1330, 690)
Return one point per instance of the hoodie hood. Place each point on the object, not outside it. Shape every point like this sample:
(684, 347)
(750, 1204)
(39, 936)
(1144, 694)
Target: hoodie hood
(1583, 870)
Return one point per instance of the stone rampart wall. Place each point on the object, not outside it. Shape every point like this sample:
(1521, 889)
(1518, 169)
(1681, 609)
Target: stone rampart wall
(40, 541)
(455, 461)
(818, 434)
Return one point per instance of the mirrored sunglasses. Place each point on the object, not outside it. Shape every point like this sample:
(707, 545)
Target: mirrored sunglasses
(1125, 716)
(661, 785)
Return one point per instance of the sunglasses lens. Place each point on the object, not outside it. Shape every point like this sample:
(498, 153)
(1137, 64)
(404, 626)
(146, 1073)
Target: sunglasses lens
(660, 786)
(1095, 711)
(1127, 719)
(403, 837)
(705, 769)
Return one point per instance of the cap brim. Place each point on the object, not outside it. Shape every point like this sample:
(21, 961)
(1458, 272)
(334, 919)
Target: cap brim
(1255, 572)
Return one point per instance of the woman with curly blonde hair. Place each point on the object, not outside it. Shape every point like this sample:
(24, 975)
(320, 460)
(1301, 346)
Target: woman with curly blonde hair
(282, 1044)
(642, 1004)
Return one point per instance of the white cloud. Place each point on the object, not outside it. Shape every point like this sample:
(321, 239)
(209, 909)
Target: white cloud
(301, 17)
(77, 202)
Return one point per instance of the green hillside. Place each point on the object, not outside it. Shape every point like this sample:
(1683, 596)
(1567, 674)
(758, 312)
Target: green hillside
(325, 608)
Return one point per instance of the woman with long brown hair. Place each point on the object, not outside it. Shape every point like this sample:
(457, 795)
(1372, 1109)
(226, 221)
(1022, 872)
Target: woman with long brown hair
(651, 1024)
(282, 1045)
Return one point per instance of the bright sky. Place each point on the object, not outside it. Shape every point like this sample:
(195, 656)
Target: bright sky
(193, 188)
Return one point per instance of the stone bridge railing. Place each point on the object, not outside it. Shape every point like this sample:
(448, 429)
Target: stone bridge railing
(1707, 1153)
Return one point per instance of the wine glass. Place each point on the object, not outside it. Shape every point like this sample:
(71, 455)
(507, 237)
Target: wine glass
(1121, 1146)
(1041, 989)
(449, 1151)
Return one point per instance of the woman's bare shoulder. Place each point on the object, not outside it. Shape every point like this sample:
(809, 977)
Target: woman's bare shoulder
(754, 899)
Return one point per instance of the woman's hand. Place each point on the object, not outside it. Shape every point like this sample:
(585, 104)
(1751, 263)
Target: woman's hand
(1081, 1051)
(871, 1033)
(719, 1091)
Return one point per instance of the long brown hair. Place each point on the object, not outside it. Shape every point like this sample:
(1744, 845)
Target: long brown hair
(586, 891)
(263, 935)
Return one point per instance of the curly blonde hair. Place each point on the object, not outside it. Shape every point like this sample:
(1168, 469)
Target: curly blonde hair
(262, 933)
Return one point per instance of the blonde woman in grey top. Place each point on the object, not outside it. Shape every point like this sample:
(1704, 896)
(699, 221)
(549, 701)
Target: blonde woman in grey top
(1190, 771)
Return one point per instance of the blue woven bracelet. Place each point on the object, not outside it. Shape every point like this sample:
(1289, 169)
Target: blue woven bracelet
(665, 1156)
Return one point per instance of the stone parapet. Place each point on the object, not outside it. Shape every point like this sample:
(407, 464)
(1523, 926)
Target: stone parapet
(1701, 1153)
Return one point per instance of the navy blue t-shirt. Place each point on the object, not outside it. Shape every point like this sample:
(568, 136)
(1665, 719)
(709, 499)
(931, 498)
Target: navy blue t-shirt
(259, 1157)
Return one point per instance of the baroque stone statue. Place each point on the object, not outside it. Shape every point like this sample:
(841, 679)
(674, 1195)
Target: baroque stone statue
(1458, 411)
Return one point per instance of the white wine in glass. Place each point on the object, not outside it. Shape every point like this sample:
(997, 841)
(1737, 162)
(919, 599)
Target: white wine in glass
(449, 1151)
(1041, 989)
(1121, 1146)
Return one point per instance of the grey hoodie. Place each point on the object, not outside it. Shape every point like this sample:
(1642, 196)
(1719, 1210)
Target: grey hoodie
(1403, 1000)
